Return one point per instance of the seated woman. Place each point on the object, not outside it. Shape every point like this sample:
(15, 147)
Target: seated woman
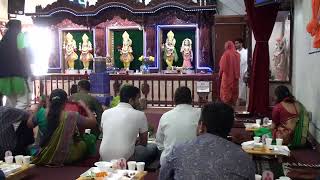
(288, 117)
(61, 142)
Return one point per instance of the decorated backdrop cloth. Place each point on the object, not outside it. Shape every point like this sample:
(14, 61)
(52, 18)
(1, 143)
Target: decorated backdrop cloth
(262, 20)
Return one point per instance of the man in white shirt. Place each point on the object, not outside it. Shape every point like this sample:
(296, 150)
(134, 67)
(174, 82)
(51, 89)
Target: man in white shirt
(243, 69)
(121, 125)
(178, 125)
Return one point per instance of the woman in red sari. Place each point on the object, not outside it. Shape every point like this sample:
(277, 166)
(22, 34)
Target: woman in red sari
(229, 74)
(285, 115)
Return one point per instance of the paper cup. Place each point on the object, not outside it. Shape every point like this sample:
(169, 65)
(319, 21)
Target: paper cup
(87, 131)
(256, 139)
(258, 177)
(9, 159)
(132, 165)
(26, 160)
(115, 164)
(19, 159)
(258, 121)
(284, 178)
(279, 141)
(268, 142)
(140, 166)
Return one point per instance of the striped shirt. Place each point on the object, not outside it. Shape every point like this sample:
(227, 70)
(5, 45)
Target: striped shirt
(8, 116)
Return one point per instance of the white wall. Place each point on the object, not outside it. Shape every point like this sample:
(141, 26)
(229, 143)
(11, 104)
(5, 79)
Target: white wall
(3, 10)
(305, 80)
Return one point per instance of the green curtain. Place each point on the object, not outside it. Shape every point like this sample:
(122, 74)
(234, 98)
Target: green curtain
(179, 35)
(137, 47)
(77, 36)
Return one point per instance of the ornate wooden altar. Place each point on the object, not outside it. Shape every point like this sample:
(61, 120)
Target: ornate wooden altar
(108, 15)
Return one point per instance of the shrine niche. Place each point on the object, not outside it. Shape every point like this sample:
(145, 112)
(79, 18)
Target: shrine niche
(125, 30)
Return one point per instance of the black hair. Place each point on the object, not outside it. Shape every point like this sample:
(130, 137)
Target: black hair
(182, 96)
(73, 89)
(58, 99)
(218, 118)
(84, 84)
(240, 40)
(283, 94)
(128, 92)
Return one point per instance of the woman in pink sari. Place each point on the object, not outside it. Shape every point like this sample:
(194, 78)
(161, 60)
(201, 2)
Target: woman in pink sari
(285, 115)
(229, 74)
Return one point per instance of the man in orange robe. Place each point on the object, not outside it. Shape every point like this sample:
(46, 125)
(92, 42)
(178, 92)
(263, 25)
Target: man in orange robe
(229, 74)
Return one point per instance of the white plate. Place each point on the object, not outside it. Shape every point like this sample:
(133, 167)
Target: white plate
(103, 164)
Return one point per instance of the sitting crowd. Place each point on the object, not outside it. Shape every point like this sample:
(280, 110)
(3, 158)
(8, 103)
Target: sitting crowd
(191, 142)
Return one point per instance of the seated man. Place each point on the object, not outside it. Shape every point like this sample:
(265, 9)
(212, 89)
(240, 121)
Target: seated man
(120, 127)
(178, 125)
(210, 155)
(91, 102)
(14, 138)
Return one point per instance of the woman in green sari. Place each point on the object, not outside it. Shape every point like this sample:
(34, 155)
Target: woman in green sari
(61, 142)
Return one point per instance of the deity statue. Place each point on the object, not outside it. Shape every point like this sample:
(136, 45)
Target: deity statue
(170, 53)
(126, 56)
(280, 60)
(70, 47)
(186, 50)
(86, 49)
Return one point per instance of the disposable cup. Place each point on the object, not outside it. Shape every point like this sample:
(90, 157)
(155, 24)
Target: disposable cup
(26, 160)
(8, 159)
(258, 121)
(132, 165)
(140, 166)
(279, 141)
(19, 159)
(268, 142)
(256, 139)
(258, 177)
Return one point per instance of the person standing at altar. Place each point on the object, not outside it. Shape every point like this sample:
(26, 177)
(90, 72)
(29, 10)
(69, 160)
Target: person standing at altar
(243, 69)
(14, 69)
(229, 74)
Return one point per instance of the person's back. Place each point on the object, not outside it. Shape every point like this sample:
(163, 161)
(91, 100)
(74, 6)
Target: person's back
(120, 126)
(211, 157)
(178, 125)
(90, 101)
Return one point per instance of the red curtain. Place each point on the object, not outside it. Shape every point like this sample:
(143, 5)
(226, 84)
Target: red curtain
(261, 20)
(313, 26)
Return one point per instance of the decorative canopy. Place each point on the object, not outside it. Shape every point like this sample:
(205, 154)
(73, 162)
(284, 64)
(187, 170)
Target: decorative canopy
(106, 9)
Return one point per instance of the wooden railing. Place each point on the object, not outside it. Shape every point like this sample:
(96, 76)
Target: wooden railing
(43, 85)
(157, 89)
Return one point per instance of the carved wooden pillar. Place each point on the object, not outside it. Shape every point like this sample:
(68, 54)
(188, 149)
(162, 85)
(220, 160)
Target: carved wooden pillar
(145, 89)
(100, 43)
